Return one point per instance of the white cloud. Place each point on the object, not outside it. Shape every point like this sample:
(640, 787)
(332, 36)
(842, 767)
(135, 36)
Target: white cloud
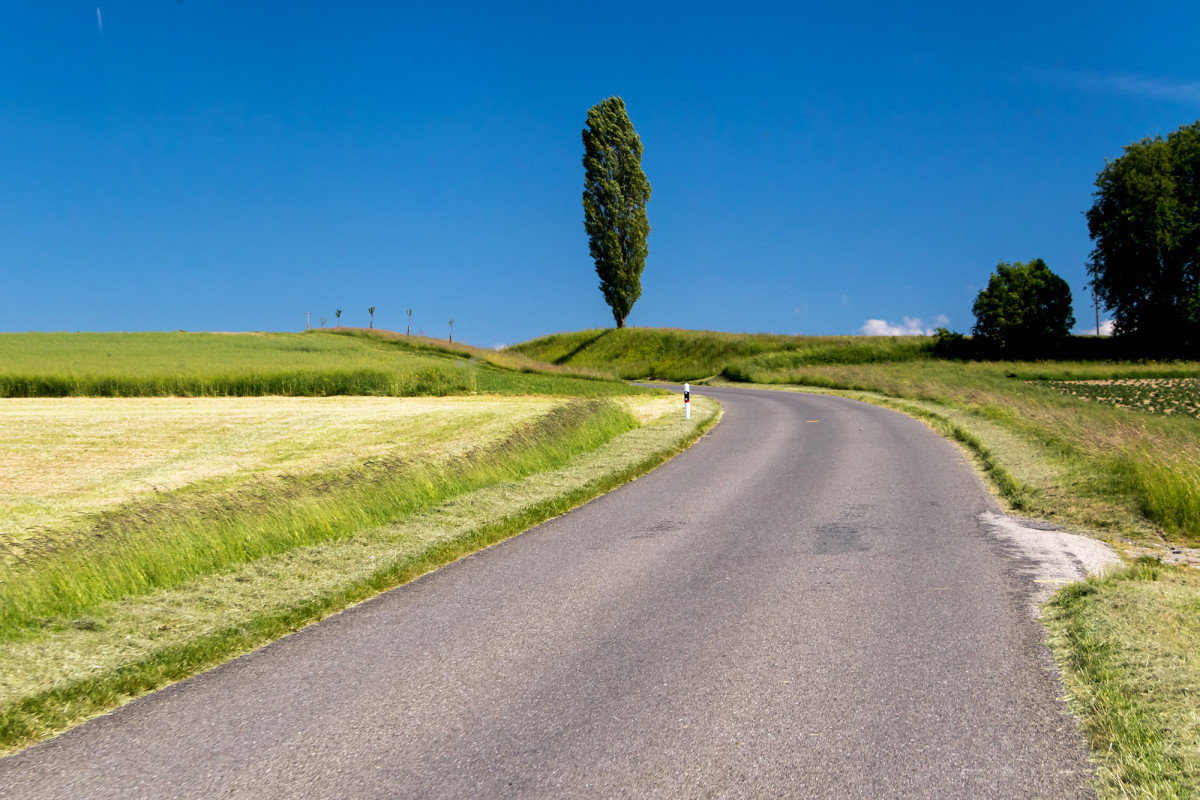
(913, 326)
(500, 346)
(1106, 329)
(1127, 85)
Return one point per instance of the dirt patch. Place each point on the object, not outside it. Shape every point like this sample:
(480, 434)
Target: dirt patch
(1053, 557)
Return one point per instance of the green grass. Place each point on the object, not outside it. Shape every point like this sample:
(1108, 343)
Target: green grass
(679, 355)
(313, 364)
(164, 541)
(1127, 646)
(64, 458)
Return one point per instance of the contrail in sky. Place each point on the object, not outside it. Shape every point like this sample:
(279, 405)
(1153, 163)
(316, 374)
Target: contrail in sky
(99, 20)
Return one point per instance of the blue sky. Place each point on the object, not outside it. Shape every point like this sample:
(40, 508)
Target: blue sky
(207, 165)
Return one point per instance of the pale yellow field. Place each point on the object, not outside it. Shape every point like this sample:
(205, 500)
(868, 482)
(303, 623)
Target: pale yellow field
(60, 458)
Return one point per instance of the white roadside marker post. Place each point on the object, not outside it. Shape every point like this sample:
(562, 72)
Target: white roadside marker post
(687, 401)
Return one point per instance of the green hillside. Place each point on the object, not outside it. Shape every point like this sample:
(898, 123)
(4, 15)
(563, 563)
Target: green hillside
(681, 355)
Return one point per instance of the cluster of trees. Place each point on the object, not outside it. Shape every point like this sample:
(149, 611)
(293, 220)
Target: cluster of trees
(1145, 267)
(1145, 224)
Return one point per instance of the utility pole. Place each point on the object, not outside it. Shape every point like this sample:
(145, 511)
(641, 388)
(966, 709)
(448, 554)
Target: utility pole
(307, 320)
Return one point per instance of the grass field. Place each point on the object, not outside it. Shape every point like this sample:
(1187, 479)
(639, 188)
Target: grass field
(1111, 448)
(64, 459)
(316, 363)
(159, 541)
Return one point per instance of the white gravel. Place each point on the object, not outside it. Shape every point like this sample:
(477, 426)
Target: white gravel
(1053, 557)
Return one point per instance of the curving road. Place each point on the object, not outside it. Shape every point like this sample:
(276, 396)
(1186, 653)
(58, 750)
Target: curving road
(805, 604)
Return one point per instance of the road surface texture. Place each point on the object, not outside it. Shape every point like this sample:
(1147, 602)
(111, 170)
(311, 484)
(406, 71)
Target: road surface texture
(808, 603)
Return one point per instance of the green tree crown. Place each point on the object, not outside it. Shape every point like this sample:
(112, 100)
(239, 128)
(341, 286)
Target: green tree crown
(1025, 309)
(615, 193)
(1145, 226)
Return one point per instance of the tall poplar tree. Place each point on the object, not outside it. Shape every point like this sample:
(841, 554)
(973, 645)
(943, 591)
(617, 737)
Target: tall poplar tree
(615, 193)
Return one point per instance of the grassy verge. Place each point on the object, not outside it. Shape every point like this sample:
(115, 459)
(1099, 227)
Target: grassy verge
(145, 641)
(1127, 647)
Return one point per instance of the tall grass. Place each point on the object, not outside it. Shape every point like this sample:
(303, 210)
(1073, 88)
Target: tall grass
(180, 537)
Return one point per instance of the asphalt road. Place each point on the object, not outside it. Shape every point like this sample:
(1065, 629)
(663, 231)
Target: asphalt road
(805, 604)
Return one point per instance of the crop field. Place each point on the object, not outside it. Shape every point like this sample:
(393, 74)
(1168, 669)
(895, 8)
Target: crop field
(1178, 396)
(313, 364)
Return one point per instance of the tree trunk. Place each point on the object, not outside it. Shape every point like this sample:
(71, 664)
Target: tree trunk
(620, 322)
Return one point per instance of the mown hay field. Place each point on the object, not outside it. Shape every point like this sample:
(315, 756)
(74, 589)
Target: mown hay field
(64, 458)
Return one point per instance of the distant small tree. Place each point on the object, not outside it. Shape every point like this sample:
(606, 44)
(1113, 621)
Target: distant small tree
(338, 314)
(409, 331)
(324, 319)
(615, 193)
(451, 331)
(1025, 310)
(371, 311)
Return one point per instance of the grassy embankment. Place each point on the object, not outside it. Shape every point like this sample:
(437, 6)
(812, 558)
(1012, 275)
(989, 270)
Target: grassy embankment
(147, 538)
(1060, 451)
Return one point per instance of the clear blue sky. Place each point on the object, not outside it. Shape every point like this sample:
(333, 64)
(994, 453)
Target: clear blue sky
(212, 165)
